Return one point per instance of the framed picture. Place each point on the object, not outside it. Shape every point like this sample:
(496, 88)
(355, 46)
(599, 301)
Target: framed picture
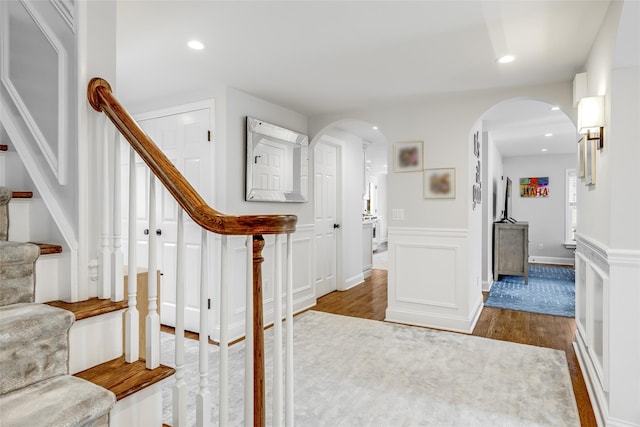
(439, 183)
(407, 156)
(476, 195)
(534, 187)
(478, 173)
(476, 144)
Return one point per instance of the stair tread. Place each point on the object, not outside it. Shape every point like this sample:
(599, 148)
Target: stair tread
(90, 308)
(22, 194)
(61, 401)
(4, 147)
(125, 379)
(48, 248)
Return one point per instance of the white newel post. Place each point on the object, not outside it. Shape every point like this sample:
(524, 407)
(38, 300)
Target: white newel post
(117, 272)
(152, 325)
(289, 421)
(180, 386)
(104, 255)
(203, 400)
(132, 316)
(277, 335)
(224, 335)
(248, 337)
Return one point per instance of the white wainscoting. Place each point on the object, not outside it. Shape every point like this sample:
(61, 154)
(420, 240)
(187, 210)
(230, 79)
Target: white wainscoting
(303, 292)
(607, 339)
(429, 281)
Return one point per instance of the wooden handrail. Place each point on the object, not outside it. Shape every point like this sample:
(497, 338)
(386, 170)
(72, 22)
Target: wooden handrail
(102, 99)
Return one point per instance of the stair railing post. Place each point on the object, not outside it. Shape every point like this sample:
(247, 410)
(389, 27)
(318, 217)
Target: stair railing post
(277, 335)
(152, 325)
(224, 334)
(117, 272)
(104, 255)
(132, 316)
(203, 399)
(180, 386)
(248, 337)
(258, 335)
(289, 420)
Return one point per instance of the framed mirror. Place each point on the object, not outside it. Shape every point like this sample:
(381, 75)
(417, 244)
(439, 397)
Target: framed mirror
(277, 163)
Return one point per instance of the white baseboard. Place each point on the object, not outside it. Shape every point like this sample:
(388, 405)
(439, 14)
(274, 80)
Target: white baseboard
(435, 321)
(551, 260)
(353, 281)
(486, 286)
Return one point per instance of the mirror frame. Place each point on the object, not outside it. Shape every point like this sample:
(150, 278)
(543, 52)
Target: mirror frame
(258, 129)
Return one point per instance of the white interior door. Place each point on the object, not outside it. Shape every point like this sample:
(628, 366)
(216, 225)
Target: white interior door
(183, 137)
(326, 217)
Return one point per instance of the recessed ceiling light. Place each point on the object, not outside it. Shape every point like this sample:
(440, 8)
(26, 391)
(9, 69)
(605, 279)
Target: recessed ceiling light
(374, 127)
(506, 59)
(548, 135)
(544, 150)
(368, 161)
(195, 45)
(555, 108)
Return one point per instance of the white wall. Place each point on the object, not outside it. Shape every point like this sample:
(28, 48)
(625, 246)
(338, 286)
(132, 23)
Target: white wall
(383, 214)
(545, 215)
(493, 203)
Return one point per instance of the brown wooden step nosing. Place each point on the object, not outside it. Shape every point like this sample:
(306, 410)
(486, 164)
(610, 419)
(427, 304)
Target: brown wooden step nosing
(125, 379)
(4, 147)
(22, 194)
(90, 308)
(48, 248)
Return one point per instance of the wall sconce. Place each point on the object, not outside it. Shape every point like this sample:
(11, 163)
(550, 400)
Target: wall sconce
(591, 119)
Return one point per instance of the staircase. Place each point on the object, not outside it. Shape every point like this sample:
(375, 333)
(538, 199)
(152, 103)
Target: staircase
(35, 386)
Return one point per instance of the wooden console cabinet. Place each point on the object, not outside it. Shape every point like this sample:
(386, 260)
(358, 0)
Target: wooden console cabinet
(511, 250)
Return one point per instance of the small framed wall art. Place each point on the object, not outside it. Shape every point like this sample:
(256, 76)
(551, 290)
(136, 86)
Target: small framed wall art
(439, 183)
(407, 156)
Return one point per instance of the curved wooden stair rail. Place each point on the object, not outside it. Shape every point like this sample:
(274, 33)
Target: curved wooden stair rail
(102, 99)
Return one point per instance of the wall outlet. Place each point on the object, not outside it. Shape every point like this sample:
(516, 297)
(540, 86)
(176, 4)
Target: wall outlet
(397, 214)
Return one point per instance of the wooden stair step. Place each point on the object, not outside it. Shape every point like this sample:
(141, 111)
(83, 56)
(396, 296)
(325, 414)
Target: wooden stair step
(90, 308)
(125, 379)
(22, 194)
(4, 147)
(48, 248)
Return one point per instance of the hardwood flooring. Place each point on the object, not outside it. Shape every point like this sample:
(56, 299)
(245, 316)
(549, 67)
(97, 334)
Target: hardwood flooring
(369, 301)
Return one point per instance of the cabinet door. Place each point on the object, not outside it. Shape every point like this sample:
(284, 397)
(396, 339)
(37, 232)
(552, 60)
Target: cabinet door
(511, 257)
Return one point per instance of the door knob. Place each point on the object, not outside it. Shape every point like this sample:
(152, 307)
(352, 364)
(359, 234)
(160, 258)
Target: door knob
(146, 231)
(336, 225)
(158, 232)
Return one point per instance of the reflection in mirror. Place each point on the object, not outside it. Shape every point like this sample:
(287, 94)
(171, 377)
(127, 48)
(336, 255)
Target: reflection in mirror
(277, 163)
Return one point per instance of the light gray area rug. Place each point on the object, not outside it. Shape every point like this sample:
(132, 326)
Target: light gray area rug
(356, 372)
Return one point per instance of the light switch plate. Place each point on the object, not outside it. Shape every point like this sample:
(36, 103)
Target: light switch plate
(397, 214)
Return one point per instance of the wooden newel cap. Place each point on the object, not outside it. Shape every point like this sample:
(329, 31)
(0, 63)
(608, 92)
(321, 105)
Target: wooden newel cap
(92, 92)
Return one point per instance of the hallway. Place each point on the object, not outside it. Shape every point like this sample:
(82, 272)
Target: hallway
(369, 301)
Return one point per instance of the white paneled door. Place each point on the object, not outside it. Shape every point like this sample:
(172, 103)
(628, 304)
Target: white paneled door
(184, 138)
(326, 217)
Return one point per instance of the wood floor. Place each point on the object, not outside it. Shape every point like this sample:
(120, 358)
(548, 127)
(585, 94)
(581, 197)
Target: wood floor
(369, 301)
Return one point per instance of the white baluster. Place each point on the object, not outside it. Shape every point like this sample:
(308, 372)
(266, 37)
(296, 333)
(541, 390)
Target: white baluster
(117, 281)
(104, 255)
(289, 357)
(277, 336)
(248, 338)
(152, 325)
(203, 400)
(180, 386)
(132, 316)
(224, 336)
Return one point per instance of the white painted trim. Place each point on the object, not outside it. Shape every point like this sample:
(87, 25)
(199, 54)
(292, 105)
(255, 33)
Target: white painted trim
(352, 282)
(56, 161)
(428, 232)
(486, 285)
(623, 257)
(551, 260)
(598, 248)
(596, 395)
(435, 320)
(65, 9)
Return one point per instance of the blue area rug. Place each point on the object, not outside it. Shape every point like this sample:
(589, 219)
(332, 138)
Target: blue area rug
(551, 290)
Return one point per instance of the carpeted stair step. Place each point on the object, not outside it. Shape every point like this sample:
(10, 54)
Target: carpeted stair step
(34, 344)
(63, 401)
(17, 277)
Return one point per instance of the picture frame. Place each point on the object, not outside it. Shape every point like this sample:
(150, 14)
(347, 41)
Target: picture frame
(476, 195)
(476, 144)
(439, 183)
(407, 156)
(478, 173)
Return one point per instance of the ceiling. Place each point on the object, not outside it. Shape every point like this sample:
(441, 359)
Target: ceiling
(317, 57)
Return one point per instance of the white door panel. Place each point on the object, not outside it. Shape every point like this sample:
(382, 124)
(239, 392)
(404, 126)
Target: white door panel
(325, 213)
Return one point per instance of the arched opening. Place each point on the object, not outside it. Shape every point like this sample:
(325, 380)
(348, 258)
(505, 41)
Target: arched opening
(532, 145)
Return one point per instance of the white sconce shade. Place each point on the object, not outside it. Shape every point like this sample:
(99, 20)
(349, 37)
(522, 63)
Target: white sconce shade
(590, 114)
